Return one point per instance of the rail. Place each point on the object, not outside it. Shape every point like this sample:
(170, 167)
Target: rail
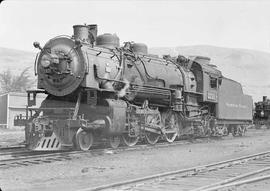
(139, 183)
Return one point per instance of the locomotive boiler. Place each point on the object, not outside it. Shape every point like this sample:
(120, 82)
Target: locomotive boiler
(98, 90)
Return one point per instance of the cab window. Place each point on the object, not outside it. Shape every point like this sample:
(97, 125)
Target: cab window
(213, 82)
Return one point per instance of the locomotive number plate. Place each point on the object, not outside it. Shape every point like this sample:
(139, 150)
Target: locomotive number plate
(211, 96)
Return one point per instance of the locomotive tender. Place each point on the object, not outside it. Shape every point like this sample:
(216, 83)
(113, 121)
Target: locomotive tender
(98, 90)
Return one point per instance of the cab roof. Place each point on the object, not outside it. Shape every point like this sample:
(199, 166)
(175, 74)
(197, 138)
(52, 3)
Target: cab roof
(205, 65)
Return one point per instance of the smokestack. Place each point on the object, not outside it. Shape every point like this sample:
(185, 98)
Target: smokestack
(81, 33)
(264, 98)
(93, 30)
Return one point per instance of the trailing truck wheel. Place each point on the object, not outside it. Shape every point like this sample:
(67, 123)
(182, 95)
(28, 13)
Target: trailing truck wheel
(114, 141)
(129, 141)
(238, 130)
(84, 139)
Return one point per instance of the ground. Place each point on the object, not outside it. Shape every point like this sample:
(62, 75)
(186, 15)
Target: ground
(11, 137)
(91, 171)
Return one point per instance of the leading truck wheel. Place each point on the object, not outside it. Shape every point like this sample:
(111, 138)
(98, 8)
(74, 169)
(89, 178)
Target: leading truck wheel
(84, 139)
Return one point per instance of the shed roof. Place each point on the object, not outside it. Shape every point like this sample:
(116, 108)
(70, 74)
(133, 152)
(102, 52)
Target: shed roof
(22, 94)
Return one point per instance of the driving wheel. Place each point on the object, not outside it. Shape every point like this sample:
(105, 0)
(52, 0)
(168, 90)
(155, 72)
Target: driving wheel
(154, 121)
(170, 126)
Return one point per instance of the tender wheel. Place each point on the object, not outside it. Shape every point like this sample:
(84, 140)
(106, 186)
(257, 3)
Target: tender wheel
(234, 131)
(114, 141)
(242, 130)
(170, 130)
(84, 139)
(225, 131)
(258, 126)
(238, 130)
(130, 141)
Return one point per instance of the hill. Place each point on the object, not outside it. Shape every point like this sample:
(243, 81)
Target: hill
(249, 67)
(16, 60)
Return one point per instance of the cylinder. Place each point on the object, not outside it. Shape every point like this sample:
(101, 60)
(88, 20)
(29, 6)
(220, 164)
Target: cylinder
(264, 98)
(93, 30)
(81, 33)
(139, 48)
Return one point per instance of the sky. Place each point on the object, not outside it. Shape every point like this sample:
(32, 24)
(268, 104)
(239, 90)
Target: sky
(234, 24)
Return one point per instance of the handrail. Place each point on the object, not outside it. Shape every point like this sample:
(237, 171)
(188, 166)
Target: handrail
(35, 65)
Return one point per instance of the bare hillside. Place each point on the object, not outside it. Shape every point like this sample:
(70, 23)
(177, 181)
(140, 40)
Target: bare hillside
(16, 60)
(251, 68)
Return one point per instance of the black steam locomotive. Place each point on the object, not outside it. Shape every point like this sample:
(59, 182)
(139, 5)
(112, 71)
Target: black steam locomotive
(98, 90)
(262, 113)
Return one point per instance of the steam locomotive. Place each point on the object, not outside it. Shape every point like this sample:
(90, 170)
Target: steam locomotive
(262, 113)
(98, 90)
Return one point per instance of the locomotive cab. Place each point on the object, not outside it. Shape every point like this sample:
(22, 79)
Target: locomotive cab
(208, 80)
(208, 77)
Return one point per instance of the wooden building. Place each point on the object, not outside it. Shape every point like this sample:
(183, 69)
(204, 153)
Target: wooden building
(12, 104)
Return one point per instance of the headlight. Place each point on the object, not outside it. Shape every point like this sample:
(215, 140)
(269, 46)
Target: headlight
(45, 61)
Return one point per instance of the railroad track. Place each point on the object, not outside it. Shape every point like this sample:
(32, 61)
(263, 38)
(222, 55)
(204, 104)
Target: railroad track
(12, 147)
(12, 151)
(22, 157)
(255, 184)
(247, 170)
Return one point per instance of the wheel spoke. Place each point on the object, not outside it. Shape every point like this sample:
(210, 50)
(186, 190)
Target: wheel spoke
(114, 141)
(129, 141)
(170, 137)
(169, 126)
(84, 139)
(152, 138)
(153, 120)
